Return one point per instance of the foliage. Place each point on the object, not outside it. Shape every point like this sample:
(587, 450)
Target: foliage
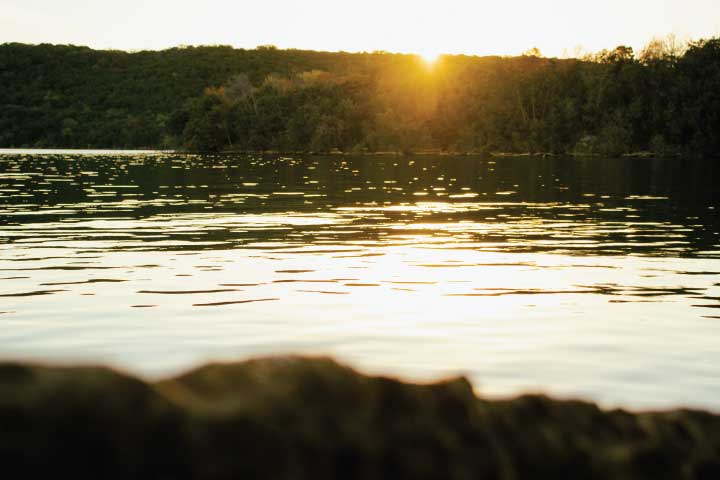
(216, 98)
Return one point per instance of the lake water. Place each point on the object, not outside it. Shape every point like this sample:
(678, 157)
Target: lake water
(597, 278)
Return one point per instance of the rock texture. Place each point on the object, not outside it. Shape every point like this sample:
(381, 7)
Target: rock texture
(301, 418)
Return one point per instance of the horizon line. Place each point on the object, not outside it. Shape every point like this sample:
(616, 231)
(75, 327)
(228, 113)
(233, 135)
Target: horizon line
(579, 51)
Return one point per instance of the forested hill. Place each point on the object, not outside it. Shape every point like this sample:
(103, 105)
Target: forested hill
(665, 99)
(68, 96)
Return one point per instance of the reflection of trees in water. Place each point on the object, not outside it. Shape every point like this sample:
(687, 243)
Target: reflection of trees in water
(648, 206)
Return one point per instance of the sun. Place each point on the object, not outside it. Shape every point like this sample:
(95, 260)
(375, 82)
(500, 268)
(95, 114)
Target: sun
(429, 56)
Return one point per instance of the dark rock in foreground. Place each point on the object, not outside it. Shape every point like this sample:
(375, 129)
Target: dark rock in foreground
(295, 418)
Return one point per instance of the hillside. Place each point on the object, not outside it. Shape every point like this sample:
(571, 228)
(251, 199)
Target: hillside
(217, 97)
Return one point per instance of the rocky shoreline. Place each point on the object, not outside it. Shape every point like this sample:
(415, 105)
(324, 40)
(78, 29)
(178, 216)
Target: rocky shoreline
(311, 418)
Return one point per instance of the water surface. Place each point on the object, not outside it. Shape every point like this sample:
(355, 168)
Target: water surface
(590, 277)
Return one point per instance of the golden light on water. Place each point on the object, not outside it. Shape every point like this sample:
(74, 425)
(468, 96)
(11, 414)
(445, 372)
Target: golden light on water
(422, 267)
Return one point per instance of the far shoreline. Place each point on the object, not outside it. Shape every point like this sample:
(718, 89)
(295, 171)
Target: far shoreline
(335, 153)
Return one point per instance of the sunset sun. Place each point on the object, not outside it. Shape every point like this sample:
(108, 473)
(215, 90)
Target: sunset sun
(429, 56)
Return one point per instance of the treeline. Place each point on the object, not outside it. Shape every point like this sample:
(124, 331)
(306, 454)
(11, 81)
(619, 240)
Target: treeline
(68, 96)
(666, 99)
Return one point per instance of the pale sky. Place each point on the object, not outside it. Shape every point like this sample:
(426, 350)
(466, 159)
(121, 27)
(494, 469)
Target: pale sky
(478, 27)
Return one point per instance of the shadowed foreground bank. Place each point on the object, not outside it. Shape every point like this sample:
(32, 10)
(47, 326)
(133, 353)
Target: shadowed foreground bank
(312, 418)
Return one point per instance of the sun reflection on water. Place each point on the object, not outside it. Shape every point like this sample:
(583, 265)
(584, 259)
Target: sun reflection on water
(596, 288)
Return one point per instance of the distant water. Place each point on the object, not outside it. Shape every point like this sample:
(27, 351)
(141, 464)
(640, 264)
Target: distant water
(590, 277)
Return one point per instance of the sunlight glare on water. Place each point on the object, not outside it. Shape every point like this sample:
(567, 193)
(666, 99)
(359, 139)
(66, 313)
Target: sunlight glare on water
(578, 277)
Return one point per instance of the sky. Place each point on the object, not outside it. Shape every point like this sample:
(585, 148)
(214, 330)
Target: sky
(474, 27)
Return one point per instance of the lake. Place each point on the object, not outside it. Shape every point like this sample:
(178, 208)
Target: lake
(597, 278)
